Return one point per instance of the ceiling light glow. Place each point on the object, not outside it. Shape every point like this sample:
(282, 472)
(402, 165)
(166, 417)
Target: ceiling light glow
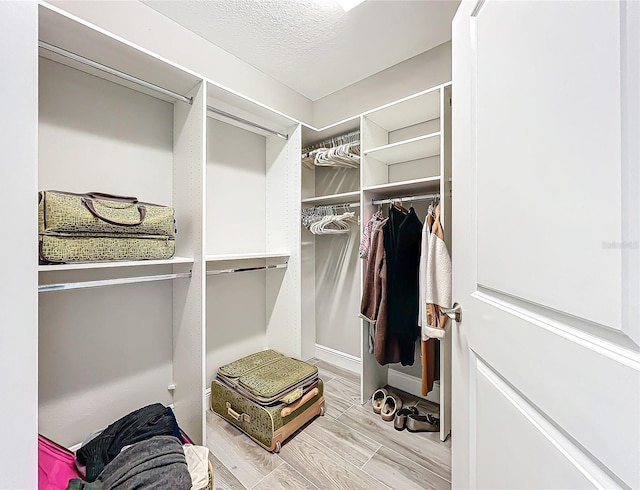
(349, 4)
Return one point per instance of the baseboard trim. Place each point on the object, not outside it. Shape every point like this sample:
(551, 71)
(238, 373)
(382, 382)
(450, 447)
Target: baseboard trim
(412, 385)
(337, 358)
(207, 398)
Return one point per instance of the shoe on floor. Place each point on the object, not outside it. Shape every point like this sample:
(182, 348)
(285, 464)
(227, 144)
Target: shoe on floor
(422, 423)
(391, 405)
(401, 417)
(377, 399)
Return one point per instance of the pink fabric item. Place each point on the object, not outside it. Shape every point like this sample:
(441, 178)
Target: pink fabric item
(56, 465)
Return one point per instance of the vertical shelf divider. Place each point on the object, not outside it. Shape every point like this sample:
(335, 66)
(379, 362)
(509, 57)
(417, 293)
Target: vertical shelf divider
(189, 296)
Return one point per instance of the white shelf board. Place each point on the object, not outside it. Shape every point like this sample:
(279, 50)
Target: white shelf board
(408, 112)
(109, 265)
(77, 36)
(345, 197)
(311, 137)
(245, 256)
(403, 189)
(424, 146)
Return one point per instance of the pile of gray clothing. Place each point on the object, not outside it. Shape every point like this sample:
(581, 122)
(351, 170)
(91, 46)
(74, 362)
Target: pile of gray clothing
(143, 450)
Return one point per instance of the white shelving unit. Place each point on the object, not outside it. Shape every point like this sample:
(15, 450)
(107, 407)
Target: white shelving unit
(402, 141)
(407, 152)
(159, 329)
(405, 147)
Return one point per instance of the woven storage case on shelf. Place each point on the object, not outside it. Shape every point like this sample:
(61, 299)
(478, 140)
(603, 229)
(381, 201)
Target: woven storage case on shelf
(95, 227)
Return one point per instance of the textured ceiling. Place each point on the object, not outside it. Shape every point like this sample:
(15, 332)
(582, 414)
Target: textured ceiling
(313, 46)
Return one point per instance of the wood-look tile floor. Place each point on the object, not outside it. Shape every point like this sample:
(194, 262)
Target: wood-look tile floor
(349, 448)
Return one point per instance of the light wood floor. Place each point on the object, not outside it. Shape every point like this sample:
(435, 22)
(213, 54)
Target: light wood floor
(349, 448)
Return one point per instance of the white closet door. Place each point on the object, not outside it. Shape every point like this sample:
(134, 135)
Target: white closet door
(545, 245)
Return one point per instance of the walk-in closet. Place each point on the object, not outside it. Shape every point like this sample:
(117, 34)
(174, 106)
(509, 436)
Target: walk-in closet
(253, 268)
(239, 238)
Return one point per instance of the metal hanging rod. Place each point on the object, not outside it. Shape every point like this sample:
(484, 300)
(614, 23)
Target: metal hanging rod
(422, 197)
(246, 121)
(351, 137)
(111, 282)
(218, 272)
(334, 206)
(113, 71)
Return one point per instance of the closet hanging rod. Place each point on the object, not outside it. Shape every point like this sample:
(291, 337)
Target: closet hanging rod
(422, 197)
(218, 272)
(345, 205)
(111, 282)
(246, 121)
(113, 71)
(352, 137)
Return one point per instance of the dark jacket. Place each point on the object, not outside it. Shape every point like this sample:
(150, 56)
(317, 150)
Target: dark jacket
(402, 243)
(144, 423)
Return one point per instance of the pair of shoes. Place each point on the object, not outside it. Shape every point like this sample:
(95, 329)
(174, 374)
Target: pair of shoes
(422, 423)
(401, 417)
(386, 404)
(377, 400)
(392, 403)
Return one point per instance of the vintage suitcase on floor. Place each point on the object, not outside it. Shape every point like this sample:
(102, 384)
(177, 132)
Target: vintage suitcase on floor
(268, 396)
(96, 227)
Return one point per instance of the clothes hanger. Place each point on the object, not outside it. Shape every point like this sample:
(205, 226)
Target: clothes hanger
(398, 205)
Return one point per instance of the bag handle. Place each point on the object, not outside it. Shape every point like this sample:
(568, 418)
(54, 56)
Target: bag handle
(240, 417)
(113, 197)
(299, 402)
(88, 202)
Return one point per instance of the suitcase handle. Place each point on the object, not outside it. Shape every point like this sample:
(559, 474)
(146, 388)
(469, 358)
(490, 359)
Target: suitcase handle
(244, 416)
(88, 202)
(113, 197)
(299, 402)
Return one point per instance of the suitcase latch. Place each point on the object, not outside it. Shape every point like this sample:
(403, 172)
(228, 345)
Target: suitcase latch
(240, 417)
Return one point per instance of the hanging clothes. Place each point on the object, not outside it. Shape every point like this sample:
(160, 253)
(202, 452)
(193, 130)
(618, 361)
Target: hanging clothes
(435, 277)
(373, 307)
(438, 281)
(367, 234)
(428, 347)
(402, 237)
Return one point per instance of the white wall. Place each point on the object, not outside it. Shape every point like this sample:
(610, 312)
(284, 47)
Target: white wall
(337, 272)
(236, 188)
(140, 24)
(18, 292)
(235, 223)
(423, 71)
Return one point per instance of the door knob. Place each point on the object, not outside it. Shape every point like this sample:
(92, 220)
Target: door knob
(454, 313)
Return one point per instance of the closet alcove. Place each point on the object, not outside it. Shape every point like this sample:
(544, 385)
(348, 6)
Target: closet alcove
(117, 336)
(405, 151)
(252, 245)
